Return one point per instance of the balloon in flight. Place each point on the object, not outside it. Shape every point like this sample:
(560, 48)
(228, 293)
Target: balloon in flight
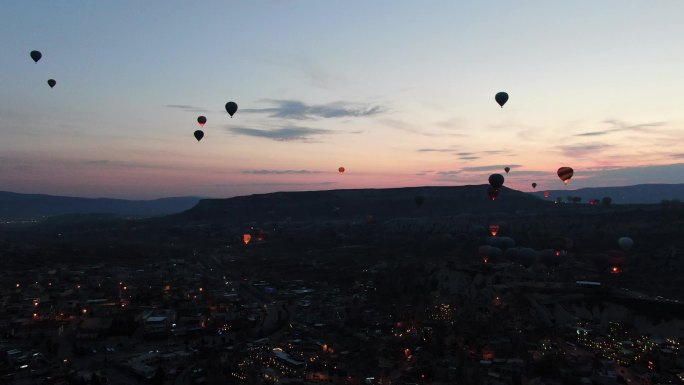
(507, 169)
(36, 55)
(51, 83)
(201, 120)
(492, 192)
(496, 180)
(231, 107)
(341, 170)
(199, 134)
(565, 173)
(625, 243)
(547, 194)
(501, 98)
(534, 185)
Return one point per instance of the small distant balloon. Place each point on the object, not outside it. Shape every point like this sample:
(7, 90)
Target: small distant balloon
(625, 243)
(534, 185)
(36, 55)
(231, 107)
(507, 169)
(565, 173)
(493, 193)
(199, 134)
(52, 83)
(201, 120)
(501, 98)
(547, 194)
(496, 180)
(246, 238)
(341, 170)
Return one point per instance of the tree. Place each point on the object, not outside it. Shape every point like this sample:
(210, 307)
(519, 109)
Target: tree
(606, 201)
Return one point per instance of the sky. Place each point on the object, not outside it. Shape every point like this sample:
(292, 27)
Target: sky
(400, 93)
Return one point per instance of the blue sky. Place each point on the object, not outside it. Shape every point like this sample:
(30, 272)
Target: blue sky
(400, 93)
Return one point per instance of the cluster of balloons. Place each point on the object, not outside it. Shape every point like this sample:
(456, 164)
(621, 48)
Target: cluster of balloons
(231, 108)
(36, 56)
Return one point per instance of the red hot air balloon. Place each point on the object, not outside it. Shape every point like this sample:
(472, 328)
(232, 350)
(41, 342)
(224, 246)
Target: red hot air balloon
(547, 194)
(493, 193)
(341, 170)
(201, 120)
(565, 173)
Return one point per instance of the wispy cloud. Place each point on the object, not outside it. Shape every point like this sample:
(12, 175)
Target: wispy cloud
(618, 125)
(186, 108)
(279, 172)
(584, 149)
(272, 184)
(678, 156)
(492, 167)
(436, 150)
(295, 109)
(285, 134)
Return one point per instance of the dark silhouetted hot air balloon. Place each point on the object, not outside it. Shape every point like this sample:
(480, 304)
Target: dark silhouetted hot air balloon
(526, 256)
(507, 169)
(534, 185)
(201, 120)
(492, 192)
(36, 55)
(231, 107)
(199, 134)
(52, 83)
(501, 98)
(547, 194)
(625, 243)
(341, 170)
(565, 173)
(496, 180)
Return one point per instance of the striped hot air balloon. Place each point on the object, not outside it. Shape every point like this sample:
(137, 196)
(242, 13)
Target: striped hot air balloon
(565, 173)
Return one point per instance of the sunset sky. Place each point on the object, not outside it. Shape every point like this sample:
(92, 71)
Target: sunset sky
(400, 93)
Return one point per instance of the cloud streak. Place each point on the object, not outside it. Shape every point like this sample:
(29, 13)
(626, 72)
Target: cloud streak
(285, 134)
(492, 167)
(583, 149)
(298, 110)
(185, 107)
(618, 125)
(279, 172)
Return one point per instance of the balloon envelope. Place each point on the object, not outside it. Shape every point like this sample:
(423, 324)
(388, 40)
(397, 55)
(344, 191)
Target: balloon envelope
(625, 243)
(501, 98)
(493, 192)
(36, 55)
(507, 169)
(340, 170)
(565, 173)
(199, 135)
(496, 180)
(534, 185)
(52, 83)
(201, 120)
(231, 107)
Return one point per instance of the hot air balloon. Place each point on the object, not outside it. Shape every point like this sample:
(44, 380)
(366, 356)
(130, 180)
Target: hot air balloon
(493, 192)
(501, 98)
(341, 170)
(246, 238)
(199, 134)
(36, 55)
(507, 169)
(493, 229)
(231, 107)
(625, 243)
(51, 83)
(565, 173)
(201, 120)
(547, 194)
(534, 185)
(496, 180)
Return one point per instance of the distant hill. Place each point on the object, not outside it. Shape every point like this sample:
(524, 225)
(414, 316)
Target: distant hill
(643, 193)
(15, 206)
(361, 204)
